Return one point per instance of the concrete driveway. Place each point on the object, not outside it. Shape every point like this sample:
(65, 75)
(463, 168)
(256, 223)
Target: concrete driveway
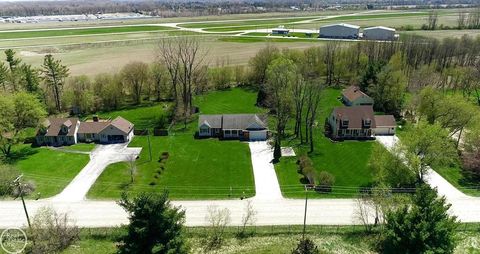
(100, 158)
(266, 182)
(434, 179)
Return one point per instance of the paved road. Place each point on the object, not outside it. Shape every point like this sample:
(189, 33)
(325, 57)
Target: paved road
(278, 211)
(100, 158)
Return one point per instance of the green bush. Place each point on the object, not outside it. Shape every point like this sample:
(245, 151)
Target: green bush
(7, 175)
(325, 181)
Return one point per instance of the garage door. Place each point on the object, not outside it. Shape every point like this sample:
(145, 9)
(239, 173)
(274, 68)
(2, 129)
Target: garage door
(258, 135)
(383, 131)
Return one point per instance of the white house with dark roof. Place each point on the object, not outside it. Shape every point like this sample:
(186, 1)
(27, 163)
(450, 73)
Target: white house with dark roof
(69, 131)
(251, 127)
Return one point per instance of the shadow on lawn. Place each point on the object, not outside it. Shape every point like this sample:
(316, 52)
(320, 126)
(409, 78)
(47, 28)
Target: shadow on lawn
(20, 154)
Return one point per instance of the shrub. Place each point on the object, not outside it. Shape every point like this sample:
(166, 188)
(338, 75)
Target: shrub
(304, 161)
(165, 155)
(306, 246)
(51, 232)
(7, 175)
(325, 181)
(310, 174)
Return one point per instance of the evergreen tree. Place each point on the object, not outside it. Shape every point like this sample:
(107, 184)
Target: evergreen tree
(422, 227)
(155, 225)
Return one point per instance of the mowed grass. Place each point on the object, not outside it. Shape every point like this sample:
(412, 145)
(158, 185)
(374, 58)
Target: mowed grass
(80, 147)
(142, 117)
(50, 170)
(195, 168)
(265, 22)
(79, 31)
(347, 161)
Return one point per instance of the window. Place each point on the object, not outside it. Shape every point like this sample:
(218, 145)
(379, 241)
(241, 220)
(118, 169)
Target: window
(204, 131)
(227, 132)
(234, 132)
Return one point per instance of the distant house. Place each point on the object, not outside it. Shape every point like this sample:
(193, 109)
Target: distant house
(69, 131)
(385, 125)
(251, 127)
(353, 96)
(359, 122)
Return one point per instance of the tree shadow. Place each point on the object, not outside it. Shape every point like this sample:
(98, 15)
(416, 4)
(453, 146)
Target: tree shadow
(20, 154)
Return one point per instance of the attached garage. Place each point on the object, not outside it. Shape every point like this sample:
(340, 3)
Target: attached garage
(385, 125)
(257, 135)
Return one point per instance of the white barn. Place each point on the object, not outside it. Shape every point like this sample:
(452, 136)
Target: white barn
(379, 33)
(340, 31)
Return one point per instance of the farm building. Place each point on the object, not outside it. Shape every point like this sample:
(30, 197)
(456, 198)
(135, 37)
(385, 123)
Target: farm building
(281, 30)
(379, 33)
(340, 31)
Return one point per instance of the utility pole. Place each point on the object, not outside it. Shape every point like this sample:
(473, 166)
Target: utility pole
(17, 184)
(305, 214)
(149, 145)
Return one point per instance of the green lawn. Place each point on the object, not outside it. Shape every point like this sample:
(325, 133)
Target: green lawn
(196, 168)
(81, 147)
(264, 22)
(250, 39)
(142, 117)
(347, 160)
(80, 31)
(50, 170)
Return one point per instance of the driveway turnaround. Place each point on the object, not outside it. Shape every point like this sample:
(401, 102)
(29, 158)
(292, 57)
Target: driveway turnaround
(100, 158)
(271, 208)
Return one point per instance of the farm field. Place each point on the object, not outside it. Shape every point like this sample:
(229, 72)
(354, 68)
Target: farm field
(89, 51)
(195, 168)
(347, 160)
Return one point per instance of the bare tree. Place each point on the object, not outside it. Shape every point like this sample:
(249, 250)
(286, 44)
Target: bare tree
(330, 54)
(183, 58)
(432, 20)
(248, 219)
(52, 232)
(313, 94)
(132, 166)
(135, 75)
(218, 219)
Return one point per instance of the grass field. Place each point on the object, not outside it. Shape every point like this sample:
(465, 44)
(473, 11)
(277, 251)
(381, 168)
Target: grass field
(275, 239)
(50, 170)
(142, 117)
(79, 31)
(81, 147)
(347, 160)
(196, 168)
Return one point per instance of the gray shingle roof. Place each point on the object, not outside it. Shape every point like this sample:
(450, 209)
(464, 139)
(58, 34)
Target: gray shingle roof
(234, 121)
